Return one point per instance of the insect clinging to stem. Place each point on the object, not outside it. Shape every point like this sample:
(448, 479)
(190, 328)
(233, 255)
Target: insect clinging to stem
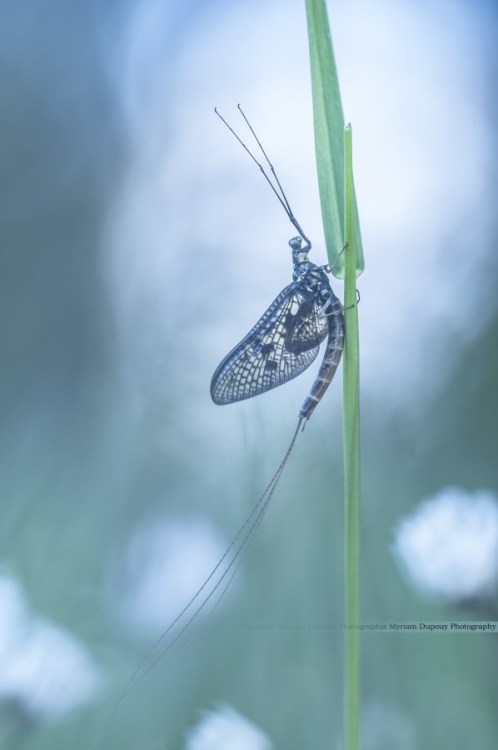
(286, 339)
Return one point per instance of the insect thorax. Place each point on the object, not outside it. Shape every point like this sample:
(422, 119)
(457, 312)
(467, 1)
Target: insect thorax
(311, 277)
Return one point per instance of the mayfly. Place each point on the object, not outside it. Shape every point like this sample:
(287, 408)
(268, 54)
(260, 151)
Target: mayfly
(284, 342)
(286, 339)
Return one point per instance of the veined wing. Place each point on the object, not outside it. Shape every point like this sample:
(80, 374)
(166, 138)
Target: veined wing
(282, 344)
(308, 327)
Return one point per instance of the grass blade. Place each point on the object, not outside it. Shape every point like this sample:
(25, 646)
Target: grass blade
(333, 146)
(328, 121)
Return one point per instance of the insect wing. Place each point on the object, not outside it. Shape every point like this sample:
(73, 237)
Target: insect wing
(308, 328)
(263, 360)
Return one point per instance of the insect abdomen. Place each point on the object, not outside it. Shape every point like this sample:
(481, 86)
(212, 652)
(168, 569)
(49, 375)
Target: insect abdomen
(331, 359)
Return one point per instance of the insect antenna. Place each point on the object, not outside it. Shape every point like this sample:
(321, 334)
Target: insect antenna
(272, 168)
(280, 195)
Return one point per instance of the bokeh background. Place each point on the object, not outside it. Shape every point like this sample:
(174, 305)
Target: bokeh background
(138, 244)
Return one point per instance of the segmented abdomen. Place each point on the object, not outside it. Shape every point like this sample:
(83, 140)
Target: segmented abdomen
(331, 358)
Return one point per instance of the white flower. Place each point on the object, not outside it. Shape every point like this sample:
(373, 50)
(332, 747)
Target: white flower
(226, 729)
(385, 725)
(13, 618)
(43, 669)
(449, 546)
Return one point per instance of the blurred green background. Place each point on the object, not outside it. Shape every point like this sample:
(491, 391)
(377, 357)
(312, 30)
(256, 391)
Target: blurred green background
(138, 245)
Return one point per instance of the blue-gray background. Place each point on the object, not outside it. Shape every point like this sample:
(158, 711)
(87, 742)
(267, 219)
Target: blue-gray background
(138, 242)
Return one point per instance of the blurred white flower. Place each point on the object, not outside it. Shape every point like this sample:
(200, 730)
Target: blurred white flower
(385, 725)
(44, 671)
(13, 617)
(449, 546)
(164, 563)
(226, 729)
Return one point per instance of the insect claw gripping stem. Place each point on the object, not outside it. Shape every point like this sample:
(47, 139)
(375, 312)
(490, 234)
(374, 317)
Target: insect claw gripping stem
(331, 267)
(355, 304)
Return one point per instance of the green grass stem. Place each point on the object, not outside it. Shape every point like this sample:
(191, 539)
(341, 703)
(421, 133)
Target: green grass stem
(333, 147)
(328, 120)
(351, 440)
